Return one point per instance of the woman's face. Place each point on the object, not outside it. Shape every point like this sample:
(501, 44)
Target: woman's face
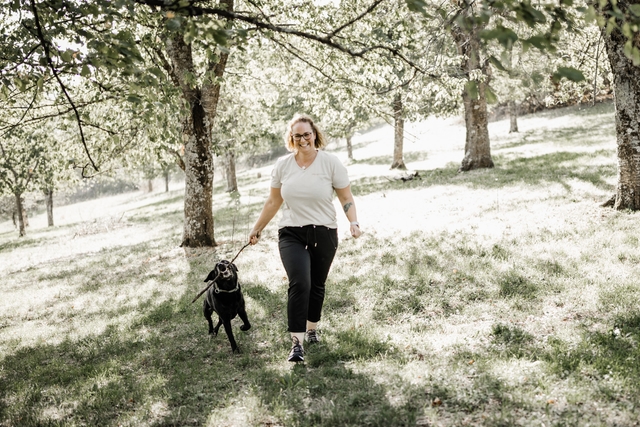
(304, 139)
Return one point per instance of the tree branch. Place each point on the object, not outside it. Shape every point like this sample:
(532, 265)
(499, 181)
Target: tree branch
(291, 52)
(167, 67)
(8, 127)
(354, 20)
(45, 46)
(192, 10)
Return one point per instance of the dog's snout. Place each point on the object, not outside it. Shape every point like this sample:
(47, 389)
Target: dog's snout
(224, 269)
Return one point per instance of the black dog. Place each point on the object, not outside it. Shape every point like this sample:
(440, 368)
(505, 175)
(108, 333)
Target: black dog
(226, 299)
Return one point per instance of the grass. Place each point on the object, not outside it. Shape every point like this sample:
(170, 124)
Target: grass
(514, 301)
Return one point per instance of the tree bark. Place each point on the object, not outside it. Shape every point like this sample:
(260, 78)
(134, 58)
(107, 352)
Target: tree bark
(595, 75)
(21, 215)
(477, 151)
(49, 198)
(349, 146)
(626, 85)
(398, 116)
(202, 104)
(513, 117)
(230, 172)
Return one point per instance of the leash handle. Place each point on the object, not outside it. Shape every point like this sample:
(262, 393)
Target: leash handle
(214, 280)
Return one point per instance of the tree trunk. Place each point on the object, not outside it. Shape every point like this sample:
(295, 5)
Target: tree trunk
(477, 150)
(150, 185)
(230, 172)
(49, 198)
(398, 116)
(626, 85)
(166, 181)
(349, 147)
(198, 210)
(595, 74)
(21, 215)
(513, 117)
(197, 130)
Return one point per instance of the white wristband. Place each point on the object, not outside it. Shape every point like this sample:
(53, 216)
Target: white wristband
(355, 223)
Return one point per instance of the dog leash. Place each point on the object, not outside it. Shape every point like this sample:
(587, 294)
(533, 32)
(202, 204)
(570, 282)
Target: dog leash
(211, 283)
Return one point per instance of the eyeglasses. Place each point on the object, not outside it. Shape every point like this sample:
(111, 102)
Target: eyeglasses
(306, 136)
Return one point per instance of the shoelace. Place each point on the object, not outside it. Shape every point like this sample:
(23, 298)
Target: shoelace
(296, 344)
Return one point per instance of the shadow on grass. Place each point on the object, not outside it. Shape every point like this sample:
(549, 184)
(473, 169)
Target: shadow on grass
(600, 127)
(561, 167)
(612, 355)
(164, 370)
(413, 156)
(11, 240)
(160, 203)
(603, 369)
(160, 368)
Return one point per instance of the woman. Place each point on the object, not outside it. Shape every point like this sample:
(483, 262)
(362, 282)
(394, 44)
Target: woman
(307, 237)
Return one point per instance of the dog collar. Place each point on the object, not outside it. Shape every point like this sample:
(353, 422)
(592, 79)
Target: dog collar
(217, 290)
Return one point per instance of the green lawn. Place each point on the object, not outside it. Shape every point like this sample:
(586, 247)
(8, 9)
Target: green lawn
(492, 298)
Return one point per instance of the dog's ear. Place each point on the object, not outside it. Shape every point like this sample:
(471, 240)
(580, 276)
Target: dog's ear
(211, 276)
(233, 266)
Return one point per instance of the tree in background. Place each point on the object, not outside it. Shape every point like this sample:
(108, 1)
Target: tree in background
(465, 31)
(348, 95)
(23, 167)
(524, 77)
(620, 23)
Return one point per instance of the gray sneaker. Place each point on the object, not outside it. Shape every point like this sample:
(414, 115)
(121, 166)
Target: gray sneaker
(312, 336)
(297, 353)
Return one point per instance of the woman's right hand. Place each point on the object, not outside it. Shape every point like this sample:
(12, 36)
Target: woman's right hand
(254, 236)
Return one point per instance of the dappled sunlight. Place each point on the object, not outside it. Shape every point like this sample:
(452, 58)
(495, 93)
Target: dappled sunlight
(494, 297)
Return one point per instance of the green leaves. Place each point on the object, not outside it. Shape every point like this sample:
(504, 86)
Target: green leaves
(541, 42)
(67, 55)
(490, 95)
(632, 52)
(471, 88)
(505, 36)
(473, 91)
(569, 73)
(635, 9)
(418, 6)
(174, 24)
(496, 63)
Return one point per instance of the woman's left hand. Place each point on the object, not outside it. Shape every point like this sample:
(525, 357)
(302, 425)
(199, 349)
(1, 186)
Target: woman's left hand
(355, 231)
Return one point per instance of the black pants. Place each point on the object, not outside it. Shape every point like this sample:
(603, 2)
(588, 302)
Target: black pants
(307, 253)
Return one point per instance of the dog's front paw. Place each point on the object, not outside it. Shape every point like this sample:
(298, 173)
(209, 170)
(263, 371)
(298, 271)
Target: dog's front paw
(245, 327)
(236, 350)
(213, 334)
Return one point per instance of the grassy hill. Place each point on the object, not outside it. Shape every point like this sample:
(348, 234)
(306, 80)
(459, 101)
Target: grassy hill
(497, 297)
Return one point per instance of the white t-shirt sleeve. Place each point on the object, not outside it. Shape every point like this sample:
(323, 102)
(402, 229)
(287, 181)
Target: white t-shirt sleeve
(276, 174)
(340, 178)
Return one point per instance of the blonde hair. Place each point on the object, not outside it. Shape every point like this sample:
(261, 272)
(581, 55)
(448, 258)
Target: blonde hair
(288, 136)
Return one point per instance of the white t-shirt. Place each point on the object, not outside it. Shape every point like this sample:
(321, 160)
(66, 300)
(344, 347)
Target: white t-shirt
(308, 193)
